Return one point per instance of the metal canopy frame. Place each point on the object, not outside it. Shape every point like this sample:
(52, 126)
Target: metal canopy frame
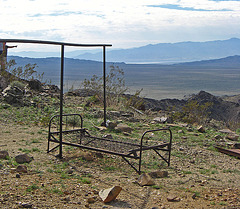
(63, 44)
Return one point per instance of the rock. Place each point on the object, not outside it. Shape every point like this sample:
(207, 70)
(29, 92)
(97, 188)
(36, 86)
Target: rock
(35, 85)
(111, 124)
(99, 155)
(26, 205)
(236, 145)
(173, 198)
(70, 171)
(180, 131)
(23, 158)
(226, 131)
(13, 95)
(90, 200)
(160, 119)
(66, 199)
(232, 137)
(123, 128)
(201, 129)
(21, 169)
(87, 157)
(126, 134)
(4, 154)
(115, 113)
(159, 174)
(107, 136)
(127, 114)
(145, 180)
(108, 195)
(218, 137)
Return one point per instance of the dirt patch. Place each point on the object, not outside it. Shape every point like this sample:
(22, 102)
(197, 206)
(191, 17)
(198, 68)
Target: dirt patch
(198, 177)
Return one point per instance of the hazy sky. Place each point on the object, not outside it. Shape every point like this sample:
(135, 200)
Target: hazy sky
(123, 23)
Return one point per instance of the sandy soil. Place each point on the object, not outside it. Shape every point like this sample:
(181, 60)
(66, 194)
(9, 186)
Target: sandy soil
(202, 179)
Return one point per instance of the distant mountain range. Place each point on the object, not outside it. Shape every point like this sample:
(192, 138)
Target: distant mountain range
(160, 53)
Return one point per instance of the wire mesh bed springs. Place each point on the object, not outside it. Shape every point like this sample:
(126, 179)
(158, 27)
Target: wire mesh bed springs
(72, 133)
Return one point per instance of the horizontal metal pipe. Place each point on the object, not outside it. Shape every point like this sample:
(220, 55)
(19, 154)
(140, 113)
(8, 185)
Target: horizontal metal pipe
(52, 43)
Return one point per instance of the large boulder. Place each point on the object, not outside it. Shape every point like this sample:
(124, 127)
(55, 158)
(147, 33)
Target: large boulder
(35, 85)
(13, 95)
(108, 195)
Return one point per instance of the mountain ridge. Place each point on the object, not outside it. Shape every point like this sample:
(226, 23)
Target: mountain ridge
(161, 52)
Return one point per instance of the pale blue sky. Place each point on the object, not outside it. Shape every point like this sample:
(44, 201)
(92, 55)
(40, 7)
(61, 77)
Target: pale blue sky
(124, 23)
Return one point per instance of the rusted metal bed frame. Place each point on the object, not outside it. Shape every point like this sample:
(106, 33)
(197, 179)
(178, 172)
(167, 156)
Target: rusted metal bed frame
(126, 149)
(135, 153)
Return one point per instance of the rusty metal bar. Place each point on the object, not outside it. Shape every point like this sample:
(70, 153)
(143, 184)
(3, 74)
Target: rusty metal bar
(29, 41)
(61, 100)
(104, 86)
(95, 149)
(232, 152)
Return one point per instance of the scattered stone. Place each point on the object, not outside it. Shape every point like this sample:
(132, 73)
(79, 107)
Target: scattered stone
(159, 174)
(226, 131)
(127, 114)
(90, 200)
(4, 154)
(35, 85)
(70, 171)
(111, 124)
(201, 129)
(107, 136)
(21, 169)
(194, 196)
(126, 134)
(25, 205)
(218, 137)
(13, 95)
(23, 158)
(236, 145)
(180, 131)
(108, 195)
(145, 180)
(192, 161)
(181, 149)
(233, 137)
(87, 157)
(99, 155)
(123, 128)
(160, 119)
(66, 199)
(115, 113)
(173, 198)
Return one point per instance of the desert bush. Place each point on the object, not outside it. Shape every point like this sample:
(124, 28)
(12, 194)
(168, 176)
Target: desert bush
(135, 100)
(27, 72)
(115, 86)
(193, 112)
(18, 84)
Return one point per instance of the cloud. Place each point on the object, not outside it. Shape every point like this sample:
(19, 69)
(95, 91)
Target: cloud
(178, 7)
(124, 23)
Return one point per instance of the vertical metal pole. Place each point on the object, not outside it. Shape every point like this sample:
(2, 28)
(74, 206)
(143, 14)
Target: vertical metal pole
(104, 85)
(61, 100)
